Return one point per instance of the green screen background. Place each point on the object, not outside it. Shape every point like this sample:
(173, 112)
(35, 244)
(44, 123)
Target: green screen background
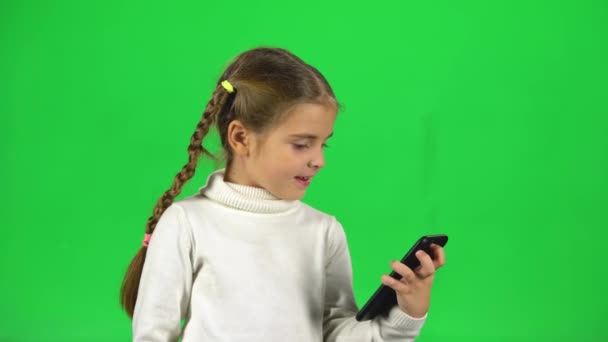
(483, 120)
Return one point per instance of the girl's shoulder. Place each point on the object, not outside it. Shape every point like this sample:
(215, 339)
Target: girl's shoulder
(192, 202)
(323, 218)
(315, 212)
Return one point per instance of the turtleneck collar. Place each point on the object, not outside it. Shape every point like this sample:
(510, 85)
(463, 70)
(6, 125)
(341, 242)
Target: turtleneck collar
(243, 197)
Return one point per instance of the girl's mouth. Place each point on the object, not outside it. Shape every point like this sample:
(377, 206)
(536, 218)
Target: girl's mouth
(304, 181)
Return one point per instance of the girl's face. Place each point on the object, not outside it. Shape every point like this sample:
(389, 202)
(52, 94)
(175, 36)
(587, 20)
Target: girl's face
(285, 159)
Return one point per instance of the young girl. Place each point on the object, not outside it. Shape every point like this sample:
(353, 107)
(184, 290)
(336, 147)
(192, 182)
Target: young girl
(244, 259)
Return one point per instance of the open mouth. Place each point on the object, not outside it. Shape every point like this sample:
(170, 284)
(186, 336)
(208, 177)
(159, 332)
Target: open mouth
(303, 180)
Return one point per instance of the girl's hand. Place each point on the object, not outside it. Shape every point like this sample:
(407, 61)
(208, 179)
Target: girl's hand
(414, 288)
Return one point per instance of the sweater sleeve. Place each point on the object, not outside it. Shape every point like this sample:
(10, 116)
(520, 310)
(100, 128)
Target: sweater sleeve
(339, 323)
(166, 280)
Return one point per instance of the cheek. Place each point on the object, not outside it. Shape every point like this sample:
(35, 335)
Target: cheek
(284, 161)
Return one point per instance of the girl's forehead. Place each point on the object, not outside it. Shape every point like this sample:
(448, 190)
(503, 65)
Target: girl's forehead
(309, 119)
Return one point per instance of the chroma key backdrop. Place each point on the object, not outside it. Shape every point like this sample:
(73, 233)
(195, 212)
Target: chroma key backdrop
(483, 120)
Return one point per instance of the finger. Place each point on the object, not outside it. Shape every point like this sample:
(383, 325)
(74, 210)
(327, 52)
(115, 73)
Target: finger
(439, 253)
(406, 273)
(395, 284)
(427, 268)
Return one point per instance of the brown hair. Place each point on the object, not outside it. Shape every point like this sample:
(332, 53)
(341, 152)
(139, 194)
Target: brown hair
(267, 82)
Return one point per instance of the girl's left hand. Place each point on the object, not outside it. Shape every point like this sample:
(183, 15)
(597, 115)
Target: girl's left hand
(414, 288)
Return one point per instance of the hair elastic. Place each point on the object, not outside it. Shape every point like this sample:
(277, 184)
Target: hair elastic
(147, 239)
(228, 86)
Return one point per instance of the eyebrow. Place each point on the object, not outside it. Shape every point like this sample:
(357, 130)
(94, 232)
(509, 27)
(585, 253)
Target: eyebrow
(309, 136)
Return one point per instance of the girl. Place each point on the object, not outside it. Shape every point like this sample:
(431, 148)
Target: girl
(244, 259)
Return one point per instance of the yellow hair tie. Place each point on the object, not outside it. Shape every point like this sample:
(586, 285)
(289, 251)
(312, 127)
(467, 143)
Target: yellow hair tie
(228, 86)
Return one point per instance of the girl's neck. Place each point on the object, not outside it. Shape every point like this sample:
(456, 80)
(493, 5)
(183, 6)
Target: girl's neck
(235, 175)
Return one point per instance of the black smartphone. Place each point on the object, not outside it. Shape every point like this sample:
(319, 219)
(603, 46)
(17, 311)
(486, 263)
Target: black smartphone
(385, 297)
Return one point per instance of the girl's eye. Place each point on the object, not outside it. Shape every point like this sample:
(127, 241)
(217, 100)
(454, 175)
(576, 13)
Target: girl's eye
(301, 147)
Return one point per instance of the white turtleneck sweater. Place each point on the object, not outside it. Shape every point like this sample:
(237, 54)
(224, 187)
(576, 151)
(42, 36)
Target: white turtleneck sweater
(239, 265)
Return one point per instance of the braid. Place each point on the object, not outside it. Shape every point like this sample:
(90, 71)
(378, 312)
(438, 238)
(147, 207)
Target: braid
(130, 285)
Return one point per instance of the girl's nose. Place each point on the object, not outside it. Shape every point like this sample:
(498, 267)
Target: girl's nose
(318, 162)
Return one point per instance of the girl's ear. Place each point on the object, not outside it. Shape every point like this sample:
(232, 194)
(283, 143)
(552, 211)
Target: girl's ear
(239, 138)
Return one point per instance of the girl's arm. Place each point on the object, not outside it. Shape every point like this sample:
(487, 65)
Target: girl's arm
(166, 280)
(339, 323)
